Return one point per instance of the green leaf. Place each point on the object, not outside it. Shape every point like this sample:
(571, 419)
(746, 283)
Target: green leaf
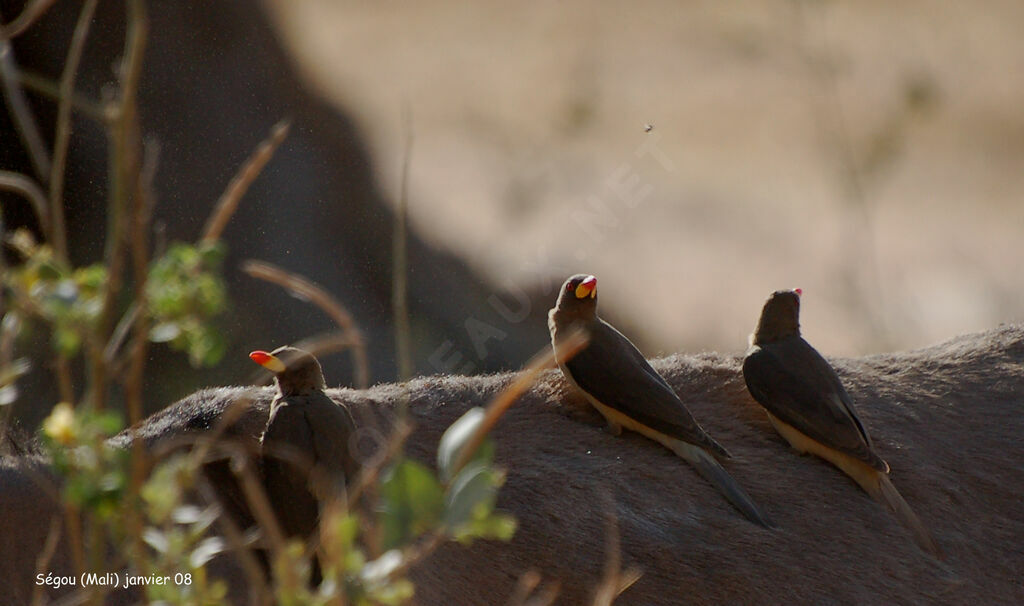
(66, 341)
(212, 254)
(455, 439)
(48, 270)
(412, 501)
(164, 332)
(107, 423)
(156, 539)
(207, 549)
(475, 486)
(92, 277)
(398, 592)
(206, 347)
(499, 526)
(8, 394)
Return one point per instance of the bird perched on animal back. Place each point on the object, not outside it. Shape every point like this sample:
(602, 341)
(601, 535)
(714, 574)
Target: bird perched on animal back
(618, 381)
(808, 405)
(305, 447)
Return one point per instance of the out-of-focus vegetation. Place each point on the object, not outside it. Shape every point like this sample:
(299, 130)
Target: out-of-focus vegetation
(130, 514)
(161, 529)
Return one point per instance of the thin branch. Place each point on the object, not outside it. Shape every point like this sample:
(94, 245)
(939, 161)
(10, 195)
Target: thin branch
(399, 272)
(317, 345)
(29, 15)
(141, 214)
(305, 289)
(62, 135)
(65, 384)
(327, 343)
(73, 520)
(21, 113)
(416, 553)
(613, 580)
(124, 171)
(258, 502)
(240, 183)
(543, 360)
(44, 557)
(120, 333)
(141, 217)
(49, 88)
(523, 595)
(28, 189)
(235, 539)
(369, 472)
(200, 448)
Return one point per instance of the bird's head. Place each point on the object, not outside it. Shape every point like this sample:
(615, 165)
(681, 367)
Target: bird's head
(780, 317)
(295, 371)
(578, 297)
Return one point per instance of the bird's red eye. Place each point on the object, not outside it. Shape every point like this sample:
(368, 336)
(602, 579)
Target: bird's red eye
(569, 287)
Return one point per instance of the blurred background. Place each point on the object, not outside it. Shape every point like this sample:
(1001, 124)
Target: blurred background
(694, 156)
(870, 152)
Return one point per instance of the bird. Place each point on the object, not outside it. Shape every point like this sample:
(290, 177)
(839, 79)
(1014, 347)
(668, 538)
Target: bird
(305, 454)
(617, 380)
(809, 407)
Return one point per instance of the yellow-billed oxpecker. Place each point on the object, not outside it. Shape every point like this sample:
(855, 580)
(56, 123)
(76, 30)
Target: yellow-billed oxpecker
(808, 406)
(305, 447)
(617, 380)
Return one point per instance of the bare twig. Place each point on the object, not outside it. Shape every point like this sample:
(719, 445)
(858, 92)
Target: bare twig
(142, 209)
(120, 333)
(326, 343)
(236, 540)
(212, 438)
(528, 581)
(124, 162)
(65, 384)
(399, 272)
(27, 188)
(141, 213)
(543, 360)
(314, 293)
(73, 520)
(62, 135)
(242, 180)
(317, 345)
(21, 113)
(419, 551)
(257, 499)
(614, 580)
(44, 557)
(369, 472)
(50, 88)
(29, 15)
(523, 594)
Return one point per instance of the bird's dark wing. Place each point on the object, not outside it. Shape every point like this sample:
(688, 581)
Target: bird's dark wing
(332, 427)
(794, 383)
(615, 373)
(287, 450)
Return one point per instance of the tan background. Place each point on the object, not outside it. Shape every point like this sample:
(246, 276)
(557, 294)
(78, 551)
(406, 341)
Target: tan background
(870, 152)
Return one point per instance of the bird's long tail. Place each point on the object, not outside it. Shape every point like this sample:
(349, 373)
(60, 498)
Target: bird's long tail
(713, 472)
(872, 480)
(877, 484)
(882, 490)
